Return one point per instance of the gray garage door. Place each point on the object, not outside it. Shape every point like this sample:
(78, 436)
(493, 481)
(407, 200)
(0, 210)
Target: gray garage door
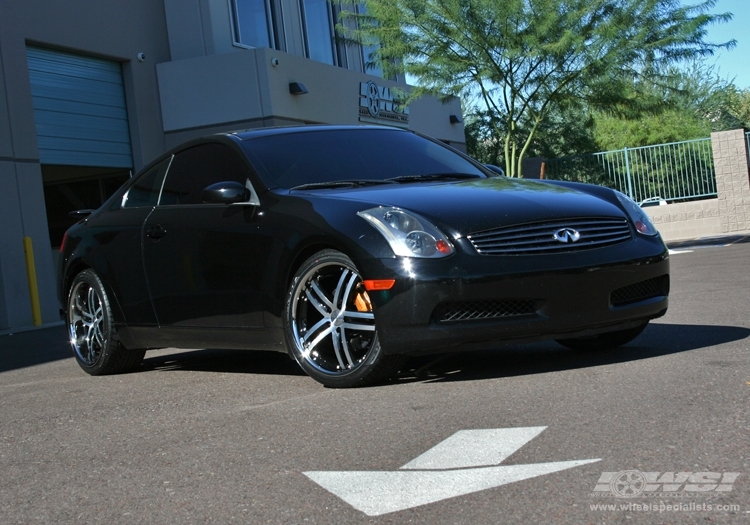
(79, 110)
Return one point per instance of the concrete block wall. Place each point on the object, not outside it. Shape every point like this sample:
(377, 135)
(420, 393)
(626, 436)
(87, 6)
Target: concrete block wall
(732, 179)
(686, 220)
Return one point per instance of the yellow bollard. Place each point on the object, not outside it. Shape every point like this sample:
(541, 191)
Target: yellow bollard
(36, 310)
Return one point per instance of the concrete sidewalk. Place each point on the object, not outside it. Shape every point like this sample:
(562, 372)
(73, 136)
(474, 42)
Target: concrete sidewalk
(716, 240)
(33, 347)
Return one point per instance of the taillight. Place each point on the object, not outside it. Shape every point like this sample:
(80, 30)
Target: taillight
(62, 244)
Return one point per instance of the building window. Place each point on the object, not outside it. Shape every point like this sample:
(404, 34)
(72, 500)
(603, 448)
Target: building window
(368, 56)
(318, 22)
(371, 68)
(253, 23)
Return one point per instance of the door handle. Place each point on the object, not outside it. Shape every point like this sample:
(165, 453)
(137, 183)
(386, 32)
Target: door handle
(156, 232)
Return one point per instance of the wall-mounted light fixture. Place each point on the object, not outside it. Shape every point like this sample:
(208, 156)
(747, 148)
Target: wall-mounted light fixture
(455, 119)
(297, 88)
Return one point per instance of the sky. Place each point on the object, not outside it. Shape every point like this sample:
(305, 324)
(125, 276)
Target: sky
(735, 63)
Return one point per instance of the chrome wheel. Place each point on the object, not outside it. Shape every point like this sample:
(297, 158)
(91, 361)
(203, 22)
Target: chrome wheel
(329, 322)
(332, 320)
(86, 323)
(91, 328)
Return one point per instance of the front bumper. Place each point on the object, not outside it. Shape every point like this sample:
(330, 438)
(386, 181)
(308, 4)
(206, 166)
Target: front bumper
(472, 301)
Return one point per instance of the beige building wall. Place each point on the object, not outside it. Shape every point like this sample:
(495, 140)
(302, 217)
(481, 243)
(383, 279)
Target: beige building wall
(250, 88)
(116, 31)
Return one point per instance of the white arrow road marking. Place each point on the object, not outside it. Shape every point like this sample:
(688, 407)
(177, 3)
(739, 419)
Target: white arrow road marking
(376, 493)
(474, 448)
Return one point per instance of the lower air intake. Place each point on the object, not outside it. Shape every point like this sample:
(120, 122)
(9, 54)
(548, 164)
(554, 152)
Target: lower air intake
(656, 287)
(483, 310)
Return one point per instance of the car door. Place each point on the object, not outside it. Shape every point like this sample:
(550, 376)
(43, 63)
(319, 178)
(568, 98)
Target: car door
(205, 262)
(119, 238)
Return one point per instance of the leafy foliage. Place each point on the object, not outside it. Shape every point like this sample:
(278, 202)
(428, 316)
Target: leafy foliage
(695, 101)
(739, 106)
(523, 62)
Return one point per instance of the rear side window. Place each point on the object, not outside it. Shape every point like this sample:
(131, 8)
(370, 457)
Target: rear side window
(145, 191)
(198, 167)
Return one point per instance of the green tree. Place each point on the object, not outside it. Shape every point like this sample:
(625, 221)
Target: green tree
(739, 106)
(523, 59)
(694, 101)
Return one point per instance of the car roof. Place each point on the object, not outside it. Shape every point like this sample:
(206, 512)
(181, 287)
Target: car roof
(252, 133)
(233, 137)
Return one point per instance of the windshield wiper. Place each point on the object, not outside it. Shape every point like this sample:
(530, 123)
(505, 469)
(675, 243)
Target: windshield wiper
(435, 176)
(341, 184)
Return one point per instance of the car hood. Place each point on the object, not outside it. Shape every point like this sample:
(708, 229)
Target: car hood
(476, 205)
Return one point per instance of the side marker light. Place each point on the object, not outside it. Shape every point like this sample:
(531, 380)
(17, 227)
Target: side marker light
(378, 284)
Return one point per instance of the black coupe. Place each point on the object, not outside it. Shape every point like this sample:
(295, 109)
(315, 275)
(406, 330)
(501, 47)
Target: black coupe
(351, 248)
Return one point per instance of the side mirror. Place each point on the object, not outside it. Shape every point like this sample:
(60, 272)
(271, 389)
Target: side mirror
(226, 192)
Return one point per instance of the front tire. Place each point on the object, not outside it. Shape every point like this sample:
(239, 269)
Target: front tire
(329, 324)
(604, 341)
(92, 330)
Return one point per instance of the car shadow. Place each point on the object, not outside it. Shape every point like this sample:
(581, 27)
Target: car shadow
(37, 347)
(504, 361)
(539, 358)
(223, 361)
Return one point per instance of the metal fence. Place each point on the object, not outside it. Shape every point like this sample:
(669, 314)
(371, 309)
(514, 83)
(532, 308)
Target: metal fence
(676, 172)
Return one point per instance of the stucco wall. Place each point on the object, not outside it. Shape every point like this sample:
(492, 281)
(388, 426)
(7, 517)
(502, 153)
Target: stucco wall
(112, 30)
(250, 88)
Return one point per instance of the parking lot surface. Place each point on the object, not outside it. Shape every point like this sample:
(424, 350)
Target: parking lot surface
(657, 431)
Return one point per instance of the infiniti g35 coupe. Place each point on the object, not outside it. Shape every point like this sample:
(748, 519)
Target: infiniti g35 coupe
(351, 248)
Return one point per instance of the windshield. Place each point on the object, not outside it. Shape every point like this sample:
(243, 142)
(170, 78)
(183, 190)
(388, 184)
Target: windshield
(313, 157)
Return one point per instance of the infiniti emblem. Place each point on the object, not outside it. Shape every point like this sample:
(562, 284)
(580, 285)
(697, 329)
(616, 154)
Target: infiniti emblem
(566, 235)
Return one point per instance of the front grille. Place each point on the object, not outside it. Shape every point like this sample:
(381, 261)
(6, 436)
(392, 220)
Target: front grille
(539, 237)
(656, 287)
(482, 310)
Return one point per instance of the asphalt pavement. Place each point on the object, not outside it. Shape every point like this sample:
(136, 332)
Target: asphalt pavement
(657, 431)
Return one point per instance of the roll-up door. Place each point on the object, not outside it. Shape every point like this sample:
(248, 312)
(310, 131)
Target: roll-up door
(79, 109)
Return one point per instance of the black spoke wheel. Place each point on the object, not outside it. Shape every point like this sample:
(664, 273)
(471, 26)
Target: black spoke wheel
(92, 331)
(330, 324)
(604, 341)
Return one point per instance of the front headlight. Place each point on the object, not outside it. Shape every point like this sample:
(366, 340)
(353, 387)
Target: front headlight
(642, 222)
(408, 234)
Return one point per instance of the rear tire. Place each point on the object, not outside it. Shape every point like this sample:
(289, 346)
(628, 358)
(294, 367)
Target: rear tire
(604, 341)
(329, 323)
(91, 329)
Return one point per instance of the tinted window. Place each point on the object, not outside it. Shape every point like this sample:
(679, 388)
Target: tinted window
(145, 191)
(196, 168)
(253, 23)
(319, 33)
(289, 160)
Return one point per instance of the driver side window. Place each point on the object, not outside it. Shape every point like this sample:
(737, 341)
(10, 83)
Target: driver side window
(196, 168)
